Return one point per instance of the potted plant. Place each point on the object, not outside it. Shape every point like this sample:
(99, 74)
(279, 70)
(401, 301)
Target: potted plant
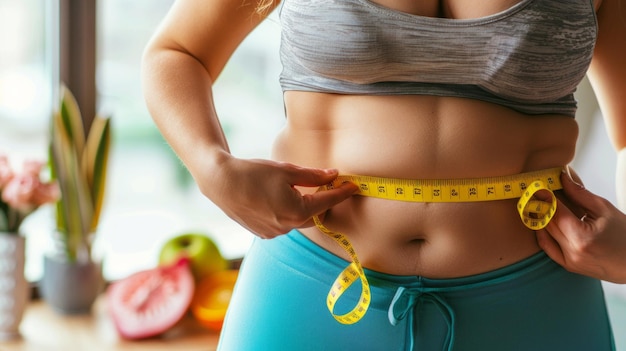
(72, 279)
(21, 193)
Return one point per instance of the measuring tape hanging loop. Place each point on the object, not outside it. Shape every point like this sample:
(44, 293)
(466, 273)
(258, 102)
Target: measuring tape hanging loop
(345, 279)
(535, 213)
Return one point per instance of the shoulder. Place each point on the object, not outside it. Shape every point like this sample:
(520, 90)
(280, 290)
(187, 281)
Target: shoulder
(608, 72)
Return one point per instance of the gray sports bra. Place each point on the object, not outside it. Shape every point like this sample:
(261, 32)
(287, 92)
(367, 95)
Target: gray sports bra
(530, 57)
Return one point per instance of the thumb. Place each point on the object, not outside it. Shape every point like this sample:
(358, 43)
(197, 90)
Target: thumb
(311, 177)
(573, 177)
(575, 192)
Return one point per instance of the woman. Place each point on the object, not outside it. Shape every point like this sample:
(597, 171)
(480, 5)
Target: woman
(425, 91)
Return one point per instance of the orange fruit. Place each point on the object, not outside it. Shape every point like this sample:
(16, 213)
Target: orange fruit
(212, 297)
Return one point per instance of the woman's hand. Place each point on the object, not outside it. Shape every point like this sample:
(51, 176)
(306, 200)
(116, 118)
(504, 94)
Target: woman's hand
(261, 195)
(587, 235)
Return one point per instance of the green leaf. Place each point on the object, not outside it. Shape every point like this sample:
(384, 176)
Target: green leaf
(79, 166)
(4, 222)
(95, 161)
(75, 209)
(72, 120)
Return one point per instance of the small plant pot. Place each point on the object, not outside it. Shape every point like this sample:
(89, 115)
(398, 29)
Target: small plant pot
(71, 287)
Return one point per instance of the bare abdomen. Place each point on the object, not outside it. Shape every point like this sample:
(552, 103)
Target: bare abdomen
(421, 137)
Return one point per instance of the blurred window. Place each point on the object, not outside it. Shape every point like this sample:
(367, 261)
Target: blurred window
(25, 102)
(24, 79)
(150, 196)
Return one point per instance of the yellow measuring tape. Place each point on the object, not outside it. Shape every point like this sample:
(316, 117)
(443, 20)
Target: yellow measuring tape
(535, 213)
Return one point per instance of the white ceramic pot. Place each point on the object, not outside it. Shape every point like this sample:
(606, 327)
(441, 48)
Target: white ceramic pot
(14, 289)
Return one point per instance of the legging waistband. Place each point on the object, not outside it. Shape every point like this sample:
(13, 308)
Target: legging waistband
(384, 285)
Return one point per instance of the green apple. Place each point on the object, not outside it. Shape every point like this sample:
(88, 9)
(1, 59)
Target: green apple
(204, 255)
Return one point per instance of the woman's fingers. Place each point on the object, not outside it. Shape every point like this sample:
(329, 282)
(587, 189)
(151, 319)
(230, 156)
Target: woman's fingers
(552, 239)
(550, 245)
(559, 237)
(321, 201)
(315, 202)
(282, 196)
(311, 177)
(588, 240)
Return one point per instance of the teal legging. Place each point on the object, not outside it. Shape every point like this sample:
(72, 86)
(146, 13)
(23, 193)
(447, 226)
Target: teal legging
(279, 303)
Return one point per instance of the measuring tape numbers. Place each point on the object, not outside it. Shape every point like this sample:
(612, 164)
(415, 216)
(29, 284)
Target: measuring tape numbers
(534, 212)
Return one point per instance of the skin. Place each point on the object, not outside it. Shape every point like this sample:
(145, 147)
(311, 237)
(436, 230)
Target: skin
(426, 137)
(597, 245)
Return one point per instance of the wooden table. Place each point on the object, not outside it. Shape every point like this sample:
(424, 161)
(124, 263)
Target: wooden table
(44, 329)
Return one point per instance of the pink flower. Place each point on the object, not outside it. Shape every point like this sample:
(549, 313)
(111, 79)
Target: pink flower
(23, 192)
(6, 173)
(32, 167)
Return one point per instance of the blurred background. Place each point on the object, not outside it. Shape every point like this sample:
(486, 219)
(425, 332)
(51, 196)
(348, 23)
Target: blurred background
(150, 196)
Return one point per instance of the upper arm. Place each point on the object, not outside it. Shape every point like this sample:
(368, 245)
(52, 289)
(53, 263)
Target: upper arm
(207, 30)
(607, 73)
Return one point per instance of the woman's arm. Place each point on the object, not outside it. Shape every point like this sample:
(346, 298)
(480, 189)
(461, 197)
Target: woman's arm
(608, 78)
(180, 64)
(589, 237)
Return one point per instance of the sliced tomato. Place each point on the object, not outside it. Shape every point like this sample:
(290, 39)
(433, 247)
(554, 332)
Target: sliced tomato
(150, 302)
(212, 298)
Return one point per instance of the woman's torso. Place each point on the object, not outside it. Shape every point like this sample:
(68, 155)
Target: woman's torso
(424, 137)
